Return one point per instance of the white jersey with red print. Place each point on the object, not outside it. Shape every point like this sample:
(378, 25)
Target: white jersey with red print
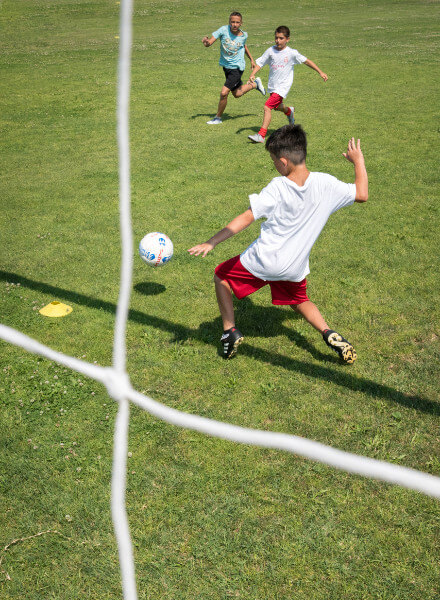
(281, 63)
(295, 216)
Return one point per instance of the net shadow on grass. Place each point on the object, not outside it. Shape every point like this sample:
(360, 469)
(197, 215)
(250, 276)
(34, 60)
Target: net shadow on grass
(257, 320)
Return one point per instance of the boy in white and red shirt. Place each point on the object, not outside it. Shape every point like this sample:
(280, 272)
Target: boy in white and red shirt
(281, 60)
(296, 207)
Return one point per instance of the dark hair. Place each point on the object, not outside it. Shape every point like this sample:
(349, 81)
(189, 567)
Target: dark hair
(236, 14)
(284, 30)
(289, 142)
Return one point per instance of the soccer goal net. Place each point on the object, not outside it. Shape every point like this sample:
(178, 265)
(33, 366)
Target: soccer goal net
(117, 382)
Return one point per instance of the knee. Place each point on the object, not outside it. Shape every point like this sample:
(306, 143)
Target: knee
(224, 95)
(267, 110)
(222, 283)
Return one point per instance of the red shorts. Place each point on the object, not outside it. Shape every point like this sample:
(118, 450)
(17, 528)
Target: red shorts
(243, 283)
(273, 101)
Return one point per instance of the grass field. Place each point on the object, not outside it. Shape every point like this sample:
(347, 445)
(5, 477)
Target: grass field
(210, 519)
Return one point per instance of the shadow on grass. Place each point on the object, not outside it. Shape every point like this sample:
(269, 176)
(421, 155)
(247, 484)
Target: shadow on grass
(253, 130)
(255, 321)
(148, 288)
(224, 117)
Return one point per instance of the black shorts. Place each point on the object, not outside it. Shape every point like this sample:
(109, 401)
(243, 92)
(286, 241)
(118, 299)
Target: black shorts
(233, 78)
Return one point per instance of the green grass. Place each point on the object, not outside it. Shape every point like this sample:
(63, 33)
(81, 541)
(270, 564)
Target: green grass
(211, 519)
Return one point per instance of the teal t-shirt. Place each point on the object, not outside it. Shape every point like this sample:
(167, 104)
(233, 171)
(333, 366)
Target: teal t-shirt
(231, 48)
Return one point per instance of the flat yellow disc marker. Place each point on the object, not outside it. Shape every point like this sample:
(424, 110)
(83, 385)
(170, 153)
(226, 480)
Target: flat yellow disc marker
(56, 309)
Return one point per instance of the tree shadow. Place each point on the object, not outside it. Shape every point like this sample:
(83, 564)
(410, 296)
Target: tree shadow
(256, 321)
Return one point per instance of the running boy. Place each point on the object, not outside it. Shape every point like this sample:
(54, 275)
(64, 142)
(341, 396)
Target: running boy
(281, 60)
(232, 50)
(296, 207)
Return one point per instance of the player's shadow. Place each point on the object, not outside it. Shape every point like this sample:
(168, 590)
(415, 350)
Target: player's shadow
(256, 321)
(224, 117)
(250, 130)
(273, 321)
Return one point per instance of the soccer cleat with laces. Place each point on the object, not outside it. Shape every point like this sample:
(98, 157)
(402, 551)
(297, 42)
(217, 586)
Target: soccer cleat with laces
(260, 86)
(340, 345)
(231, 340)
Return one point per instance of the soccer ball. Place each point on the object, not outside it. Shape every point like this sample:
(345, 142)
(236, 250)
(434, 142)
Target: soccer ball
(156, 249)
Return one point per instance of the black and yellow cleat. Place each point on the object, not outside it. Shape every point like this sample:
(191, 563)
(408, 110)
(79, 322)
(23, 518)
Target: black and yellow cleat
(340, 345)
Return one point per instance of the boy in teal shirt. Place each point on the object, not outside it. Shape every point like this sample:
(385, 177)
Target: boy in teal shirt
(232, 50)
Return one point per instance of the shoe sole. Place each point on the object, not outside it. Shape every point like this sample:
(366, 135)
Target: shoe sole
(343, 348)
(234, 348)
(348, 354)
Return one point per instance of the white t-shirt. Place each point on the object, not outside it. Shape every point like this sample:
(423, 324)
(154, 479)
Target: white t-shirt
(281, 63)
(295, 218)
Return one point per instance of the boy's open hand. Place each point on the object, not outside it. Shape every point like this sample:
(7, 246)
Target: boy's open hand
(354, 152)
(202, 249)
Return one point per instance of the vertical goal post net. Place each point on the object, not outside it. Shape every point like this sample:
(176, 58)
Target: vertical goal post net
(117, 382)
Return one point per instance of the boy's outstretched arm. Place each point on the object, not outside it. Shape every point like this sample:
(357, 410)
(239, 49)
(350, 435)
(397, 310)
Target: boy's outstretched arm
(235, 226)
(355, 156)
(208, 41)
(255, 70)
(312, 65)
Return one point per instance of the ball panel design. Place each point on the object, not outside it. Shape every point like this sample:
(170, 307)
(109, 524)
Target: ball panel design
(156, 249)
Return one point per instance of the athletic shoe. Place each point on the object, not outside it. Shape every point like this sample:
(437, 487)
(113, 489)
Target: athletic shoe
(257, 138)
(260, 86)
(231, 340)
(291, 117)
(215, 121)
(340, 345)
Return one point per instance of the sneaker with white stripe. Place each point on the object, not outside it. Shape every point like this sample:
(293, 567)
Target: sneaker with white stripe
(231, 340)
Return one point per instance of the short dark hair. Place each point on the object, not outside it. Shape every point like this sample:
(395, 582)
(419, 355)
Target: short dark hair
(289, 142)
(236, 14)
(284, 30)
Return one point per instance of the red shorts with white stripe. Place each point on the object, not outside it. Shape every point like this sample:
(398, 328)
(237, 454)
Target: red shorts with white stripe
(243, 283)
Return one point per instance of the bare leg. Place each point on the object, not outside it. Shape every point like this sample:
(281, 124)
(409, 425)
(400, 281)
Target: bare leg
(267, 117)
(225, 303)
(223, 101)
(282, 108)
(243, 89)
(311, 314)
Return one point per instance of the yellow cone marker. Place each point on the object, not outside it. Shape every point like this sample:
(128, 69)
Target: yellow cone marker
(56, 309)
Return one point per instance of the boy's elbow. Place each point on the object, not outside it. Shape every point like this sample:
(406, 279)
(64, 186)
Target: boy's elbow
(362, 196)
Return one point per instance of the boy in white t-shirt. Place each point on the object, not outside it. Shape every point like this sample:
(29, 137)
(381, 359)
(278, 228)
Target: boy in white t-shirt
(296, 207)
(281, 60)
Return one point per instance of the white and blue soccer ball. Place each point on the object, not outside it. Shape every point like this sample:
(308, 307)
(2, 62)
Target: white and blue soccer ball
(156, 249)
